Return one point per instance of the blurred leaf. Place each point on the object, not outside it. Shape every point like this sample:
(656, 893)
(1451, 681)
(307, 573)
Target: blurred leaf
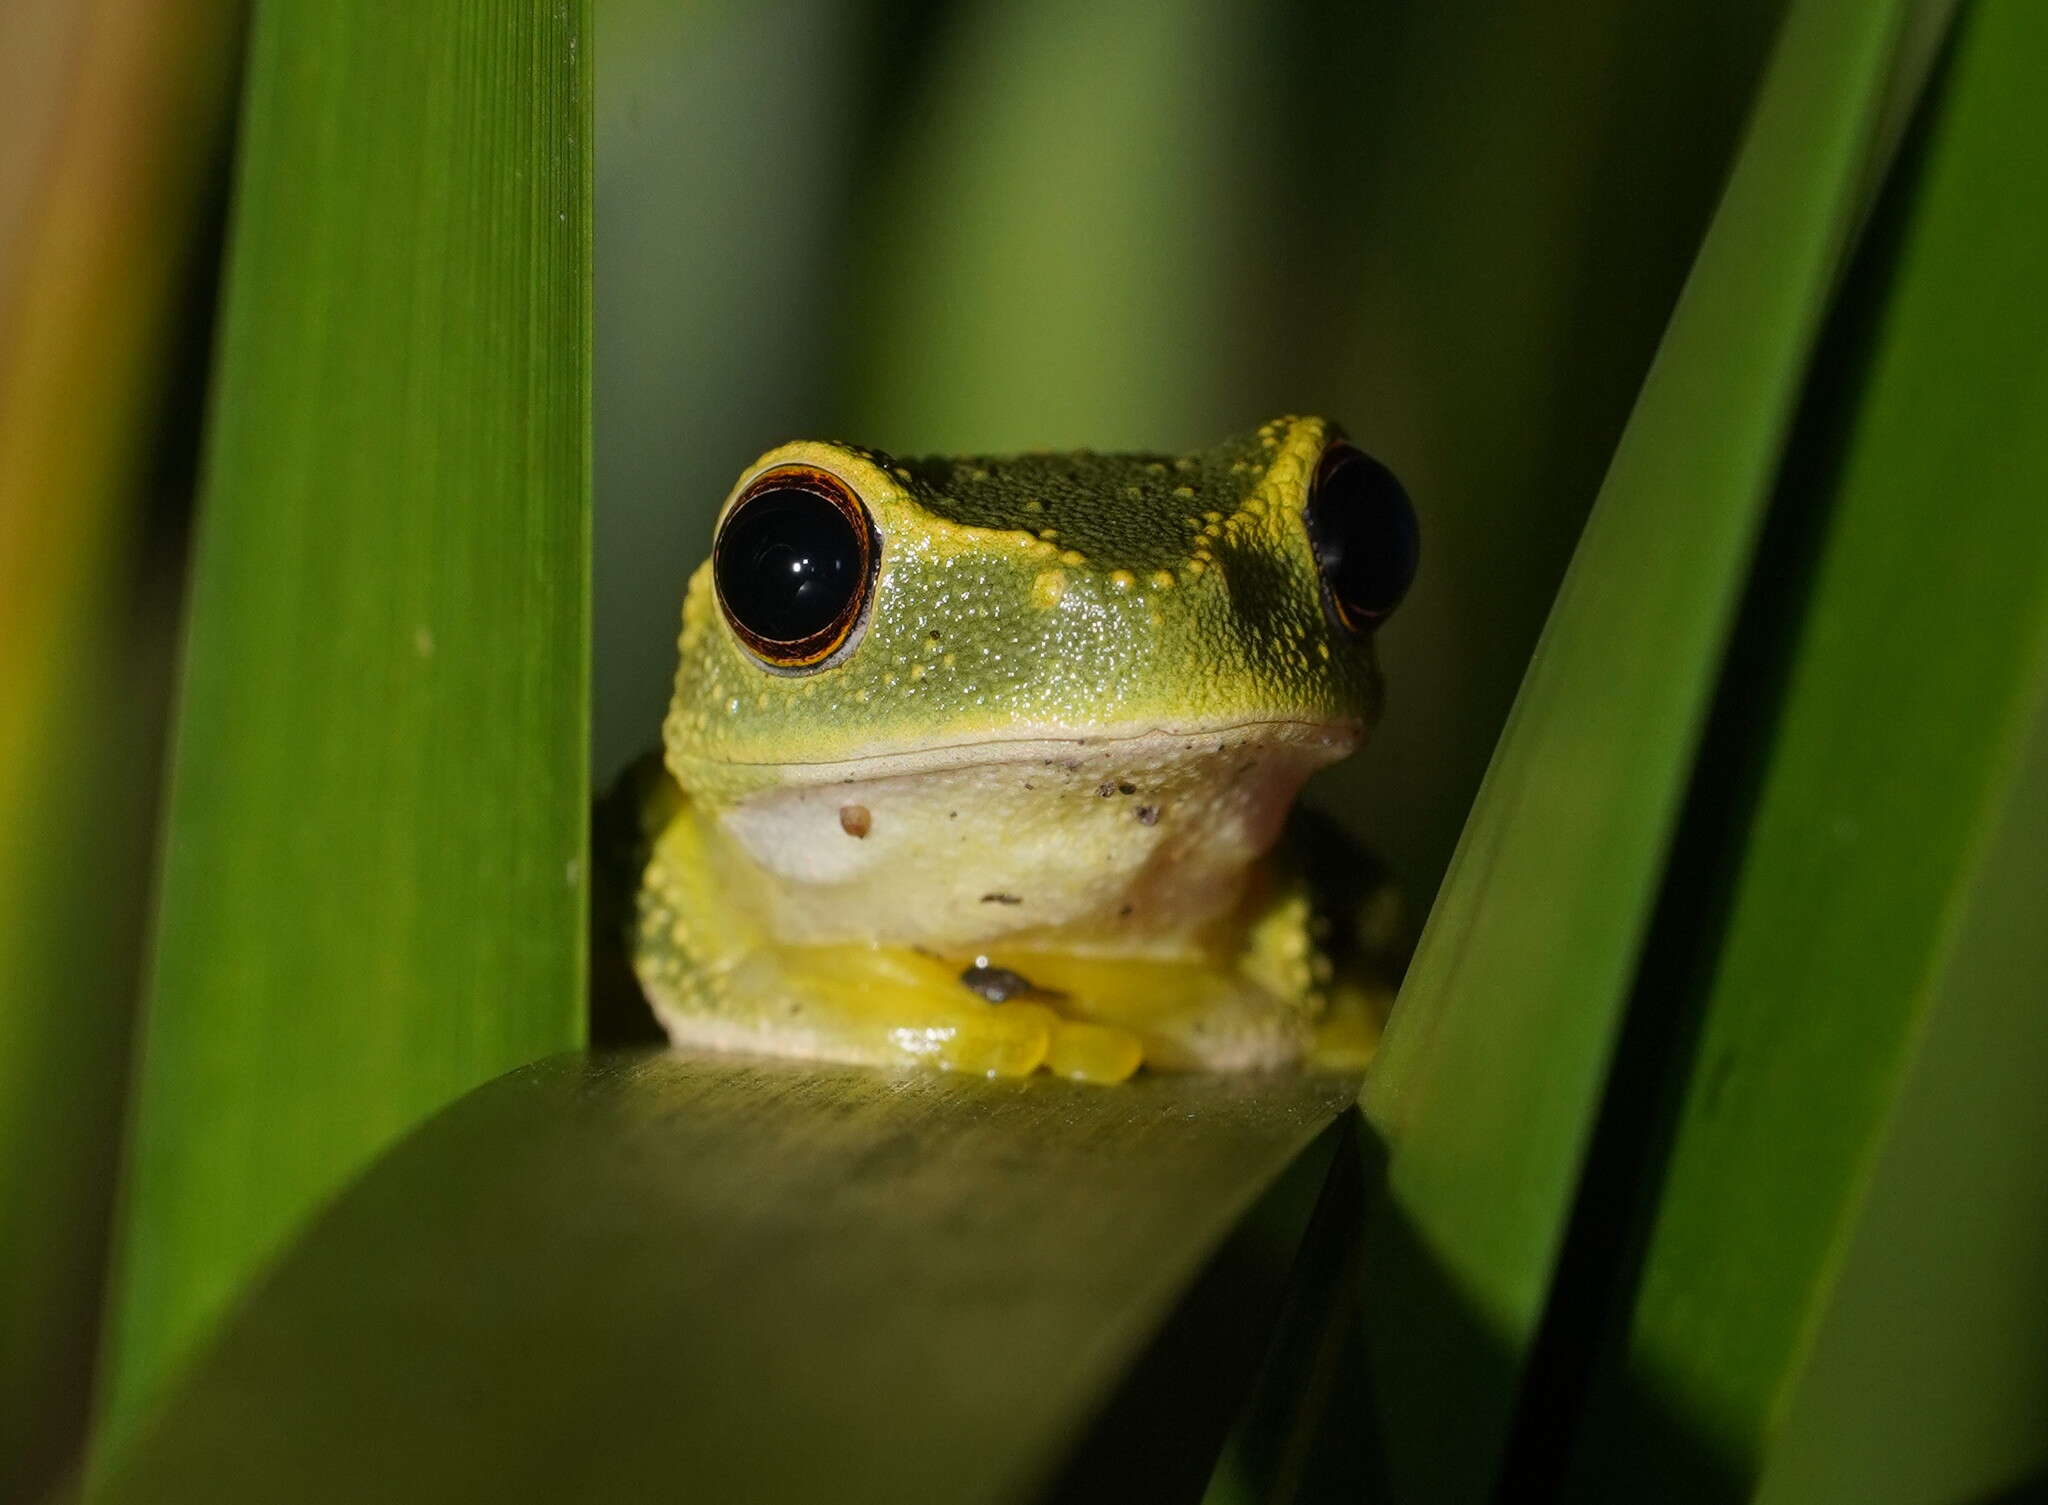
(1488, 1084)
(1854, 1170)
(373, 894)
(1044, 258)
(728, 155)
(635, 1278)
(1468, 235)
(112, 116)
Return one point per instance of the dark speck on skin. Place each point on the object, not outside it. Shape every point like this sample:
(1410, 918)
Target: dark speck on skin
(1127, 789)
(1148, 815)
(854, 820)
(1124, 913)
(1000, 985)
(1105, 790)
(1002, 899)
(952, 815)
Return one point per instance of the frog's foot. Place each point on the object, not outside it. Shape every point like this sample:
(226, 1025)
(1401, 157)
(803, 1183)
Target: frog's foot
(1186, 1016)
(885, 1006)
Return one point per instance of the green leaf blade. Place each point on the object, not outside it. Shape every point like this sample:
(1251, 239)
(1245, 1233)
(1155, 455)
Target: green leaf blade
(1488, 1084)
(1872, 922)
(372, 894)
(734, 1279)
(112, 122)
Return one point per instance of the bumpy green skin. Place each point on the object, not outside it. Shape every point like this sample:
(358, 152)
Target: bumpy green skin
(1043, 593)
(1063, 741)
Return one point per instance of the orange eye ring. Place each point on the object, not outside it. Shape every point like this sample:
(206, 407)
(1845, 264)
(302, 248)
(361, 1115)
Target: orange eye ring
(794, 566)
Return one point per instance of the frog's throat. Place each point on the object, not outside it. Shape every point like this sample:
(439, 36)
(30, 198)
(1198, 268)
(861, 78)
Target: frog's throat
(1333, 739)
(1134, 844)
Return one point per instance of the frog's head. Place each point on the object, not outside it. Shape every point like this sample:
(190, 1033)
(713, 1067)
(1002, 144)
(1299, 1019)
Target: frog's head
(951, 703)
(862, 615)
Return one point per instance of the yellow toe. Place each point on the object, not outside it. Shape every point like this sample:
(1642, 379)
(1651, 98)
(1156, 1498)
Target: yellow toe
(1010, 1039)
(1093, 1052)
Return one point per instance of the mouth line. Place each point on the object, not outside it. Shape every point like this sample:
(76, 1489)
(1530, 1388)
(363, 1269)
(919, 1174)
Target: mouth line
(961, 753)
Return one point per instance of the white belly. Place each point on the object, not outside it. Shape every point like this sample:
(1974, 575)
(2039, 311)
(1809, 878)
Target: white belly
(1122, 845)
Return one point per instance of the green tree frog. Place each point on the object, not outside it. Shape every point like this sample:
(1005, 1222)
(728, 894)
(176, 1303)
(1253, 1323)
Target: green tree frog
(986, 763)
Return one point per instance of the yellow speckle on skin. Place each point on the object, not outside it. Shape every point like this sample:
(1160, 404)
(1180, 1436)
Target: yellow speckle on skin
(1196, 565)
(1134, 492)
(1046, 590)
(1184, 492)
(950, 660)
(1072, 556)
(1212, 517)
(1156, 618)
(861, 695)
(901, 474)
(1122, 580)
(917, 671)
(1163, 579)
(1322, 650)
(1048, 534)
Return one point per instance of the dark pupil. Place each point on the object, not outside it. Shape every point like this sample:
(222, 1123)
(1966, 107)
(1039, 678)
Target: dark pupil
(788, 564)
(1365, 536)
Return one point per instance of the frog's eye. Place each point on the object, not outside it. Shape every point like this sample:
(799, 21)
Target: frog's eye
(794, 563)
(1364, 535)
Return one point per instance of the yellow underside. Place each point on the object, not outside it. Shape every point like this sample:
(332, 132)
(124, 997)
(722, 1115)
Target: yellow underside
(716, 979)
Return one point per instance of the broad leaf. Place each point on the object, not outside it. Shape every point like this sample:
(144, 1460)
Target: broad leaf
(726, 1279)
(1853, 1173)
(1490, 1079)
(372, 894)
